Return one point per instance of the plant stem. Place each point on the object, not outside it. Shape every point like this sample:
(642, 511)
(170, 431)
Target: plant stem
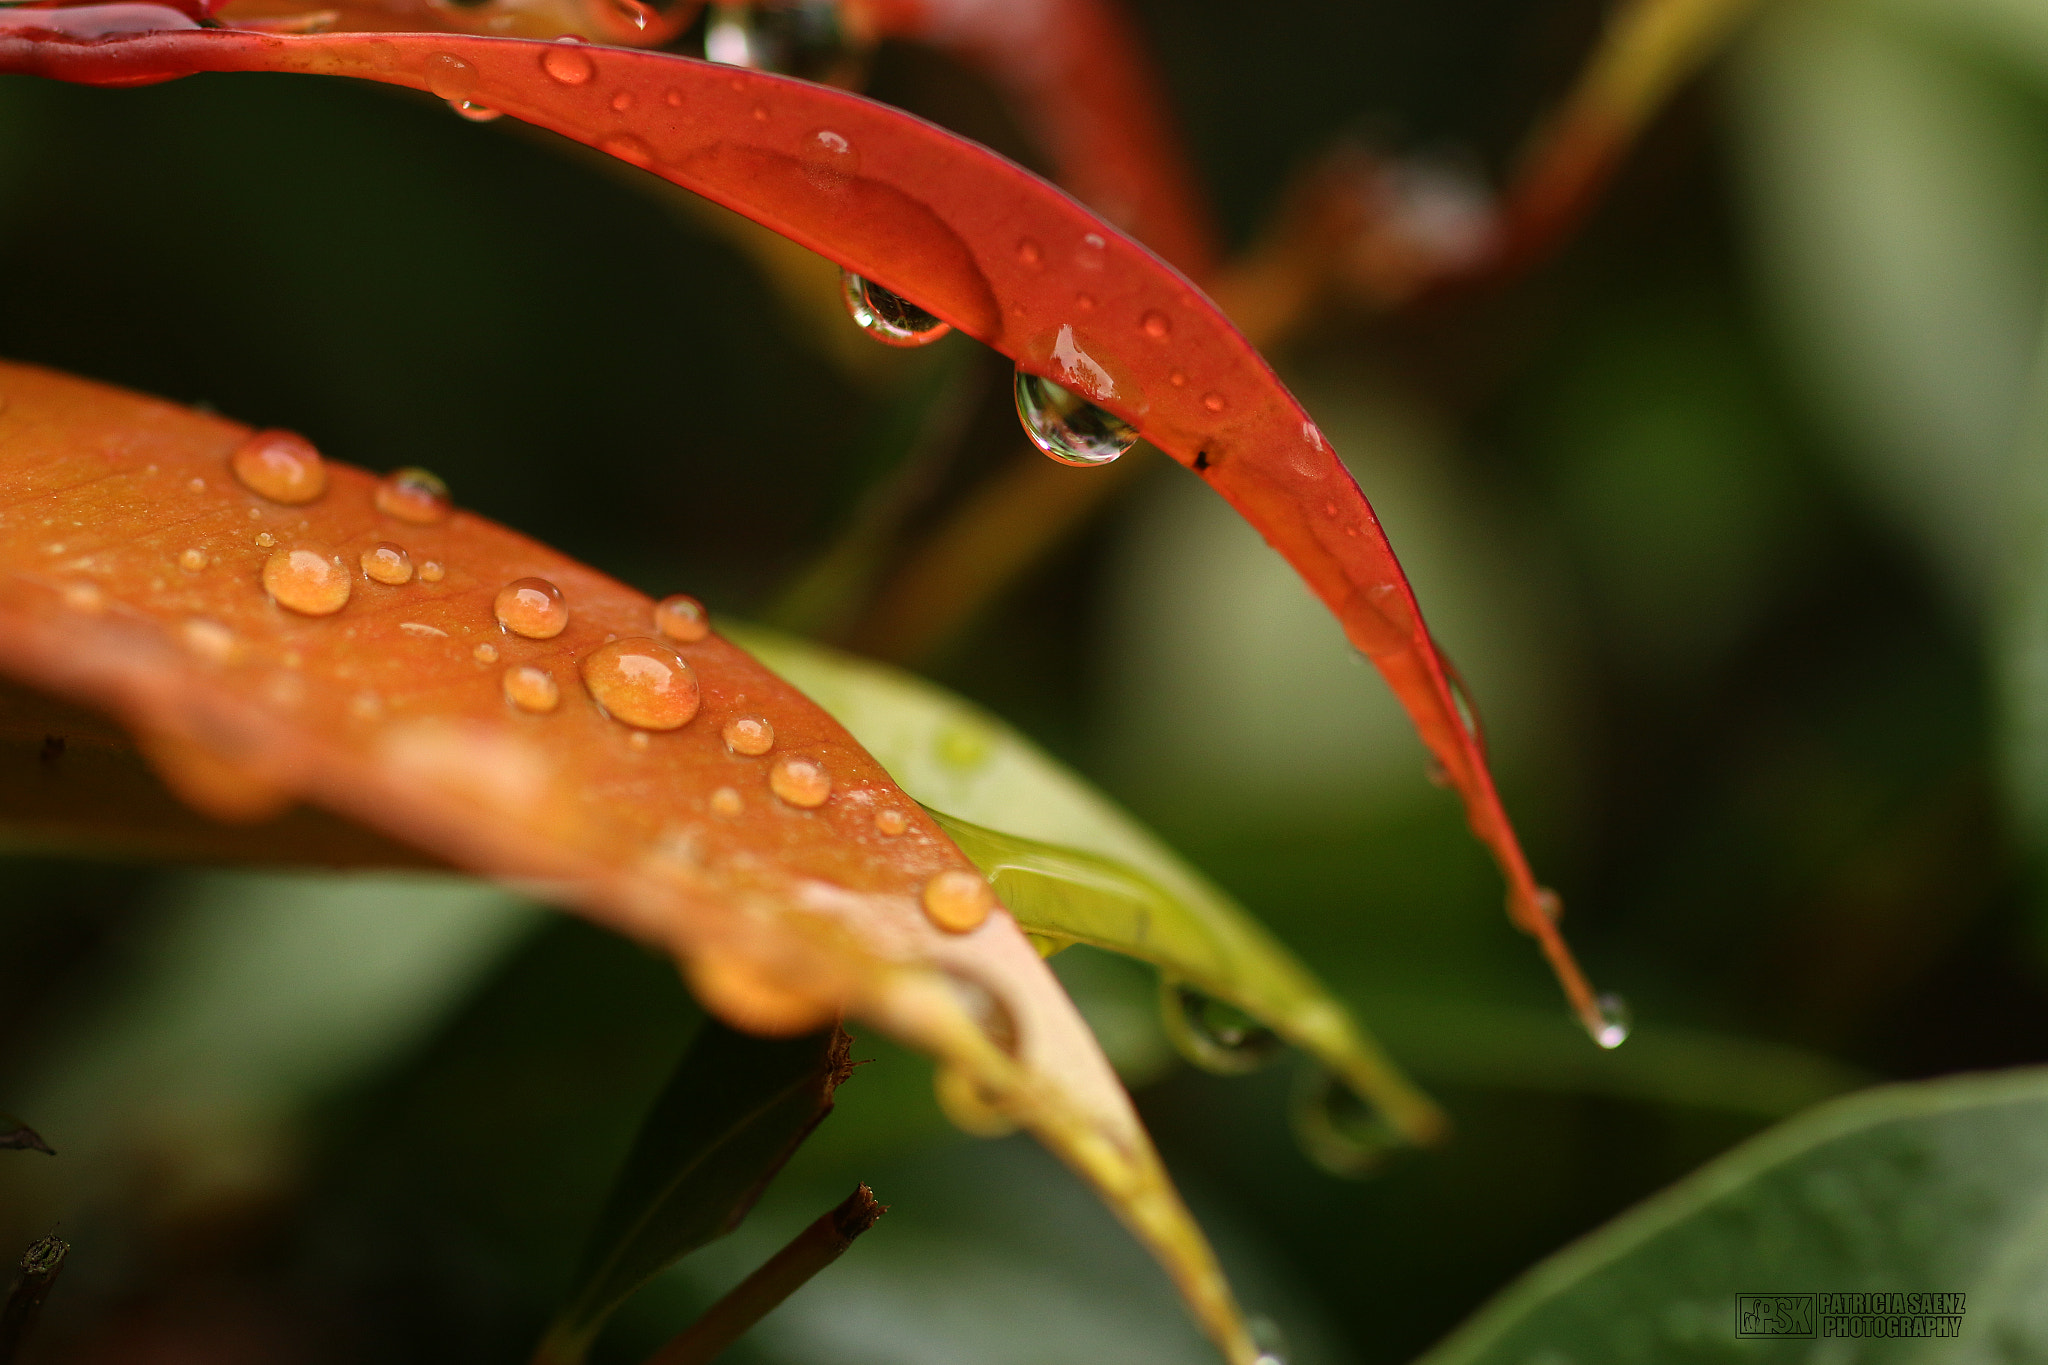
(39, 1267)
(809, 1252)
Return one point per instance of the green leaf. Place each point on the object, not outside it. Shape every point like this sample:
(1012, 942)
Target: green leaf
(1938, 1187)
(735, 1110)
(1074, 868)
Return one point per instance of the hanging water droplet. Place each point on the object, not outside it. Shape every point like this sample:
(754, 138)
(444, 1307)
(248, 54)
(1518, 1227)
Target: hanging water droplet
(563, 62)
(450, 77)
(806, 38)
(749, 735)
(1616, 1020)
(801, 782)
(1068, 427)
(958, 901)
(308, 581)
(531, 689)
(1341, 1132)
(532, 607)
(388, 563)
(414, 495)
(889, 318)
(1212, 1034)
(474, 112)
(280, 466)
(641, 683)
(891, 822)
(681, 617)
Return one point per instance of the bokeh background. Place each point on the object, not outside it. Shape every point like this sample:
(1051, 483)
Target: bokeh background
(1731, 515)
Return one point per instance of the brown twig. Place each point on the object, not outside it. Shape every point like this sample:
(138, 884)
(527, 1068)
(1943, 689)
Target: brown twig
(39, 1268)
(787, 1271)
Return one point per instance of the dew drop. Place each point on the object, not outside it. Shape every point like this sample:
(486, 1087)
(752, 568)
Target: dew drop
(681, 617)
(532, 607)
(1341, 1132)
(830, 161)
(1213, 402)
(1085, 302)
(564, 63)
(1212, 1034)
(531, 689)
(639, 740)
(1178, 379)
(281, 466)
(432, 572)
(255, 514)
(308, 581)
(485, 653)
(725, 801)
(1030, 252)
(192, 561)
(210, 640)
(196, 485)
(642, 683)
(265, 539)
(958, 901)
(386, 562)
(366, 706)
(622, 101)
(414, 495)
(1156, 325)
(890, 822)
(673, 99)
(800, 781)
(1616, 1019)
(887, 317)
(749, 735)
(85, 597)
(1067, 427)
(474, 112)
(450, 77)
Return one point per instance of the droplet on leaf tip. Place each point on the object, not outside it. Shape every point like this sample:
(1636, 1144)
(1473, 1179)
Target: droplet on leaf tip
(888, 317)
(450, 77)
(1616, 1021)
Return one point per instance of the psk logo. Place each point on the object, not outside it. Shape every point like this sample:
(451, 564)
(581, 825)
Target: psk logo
(1774, 1315)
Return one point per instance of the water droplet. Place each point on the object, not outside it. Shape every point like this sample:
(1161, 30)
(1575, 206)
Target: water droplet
(681, 617)
(1342, 1133)
(532, 607)
(641, 683)
(474, 112)
(422, 631)
(623, 101)
(1212, 1034)
(1616, 1019)
(531, 689)
(800, 781)
(486, 653)
(85, 597)
(891, 822)
(255, 514)
(1156, 325)
(830, 161)
(192, 561)
(563, 62)
(386, 562)
(1030, 252)
(1178, 379)
(889, 318)
(749, 735)
(626, 147)
(1067, 427)
(725, 801)
(280, 466)
(366, 706)
(639, 740)
(450, 77)
(1549, 904)
(673, 99)
(1213, 402)
(414, 495)
(760, 113)
(308, 581)
(432, 572)
(196, 485)
(210, 640)
(958, 901)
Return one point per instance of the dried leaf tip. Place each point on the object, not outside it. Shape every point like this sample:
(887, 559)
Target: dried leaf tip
(859, 1212)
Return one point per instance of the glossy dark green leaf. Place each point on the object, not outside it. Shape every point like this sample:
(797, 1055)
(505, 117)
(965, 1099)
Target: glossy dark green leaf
(735, 1110)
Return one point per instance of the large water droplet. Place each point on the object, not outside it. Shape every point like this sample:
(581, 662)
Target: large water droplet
(1616, 1020)
(414, 495)
(801, 782)
(309, 581)
(1068, 427)
(958, 901)
(450, 77)
(532, 607)
(280, 466)
(749, 735)
(565, 63)
(794, 37)
(386, 562)
(681, 617)
(1342, 1133)
(889, 318)
(642, 683)
(531, 689)
(1214, 1035)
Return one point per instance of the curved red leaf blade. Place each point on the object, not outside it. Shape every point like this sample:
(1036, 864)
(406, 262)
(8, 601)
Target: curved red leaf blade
(972, 237)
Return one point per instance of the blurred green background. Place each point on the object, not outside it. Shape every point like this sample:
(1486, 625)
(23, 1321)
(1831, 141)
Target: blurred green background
(1732, 516)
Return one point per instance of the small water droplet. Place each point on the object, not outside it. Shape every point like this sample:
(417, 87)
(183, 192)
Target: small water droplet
(1085, 302)
(1068, 427)
(192, 561)
(196, 485)
(485, 653)
(265, 539)
(622, 101)
(281, 466)
(830, 161)
(85, 597)
(639, 740)
(386, 562)
(307, 580)
(958, 901)
(432, 572)
(1549, 904)
(1030, 252)
(749, 735)
(1090, 255)
(366, 706)
(760, 113)
(682, 617)
(800, 781)
(474, 112)
(450, 77)
(1178, 379)
(626, 147)
(1156, 325)
(531, 689)
(210, 640)
(414, 495)
(891, 822)
(564, 63)
(1341, 1132)
(673, 99)
(1616, 1020)
(641, 683)
(1213, 1034)
(725, 801)
(532, 607)
(888, 317)
(420, 630)
(1213, 402)
(255, 514)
